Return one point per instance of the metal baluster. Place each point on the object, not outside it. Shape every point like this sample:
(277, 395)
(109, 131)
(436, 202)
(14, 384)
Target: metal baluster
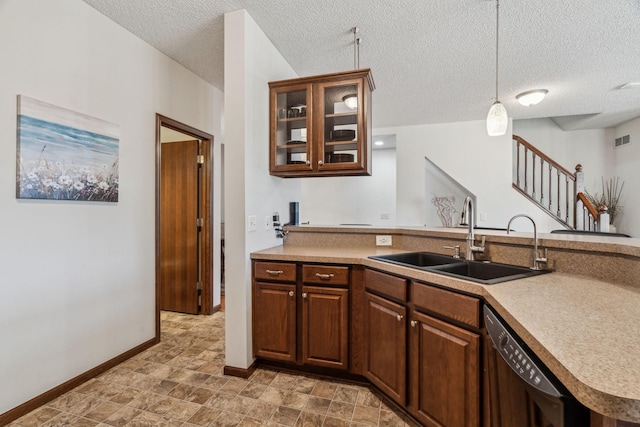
(518, 163)
(558, 213)
(566, 186)
(533, 175)
(549, 187)
(542, 180)
(526, 157)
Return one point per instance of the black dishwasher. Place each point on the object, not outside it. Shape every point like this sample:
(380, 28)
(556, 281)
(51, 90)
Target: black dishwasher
(524, 393)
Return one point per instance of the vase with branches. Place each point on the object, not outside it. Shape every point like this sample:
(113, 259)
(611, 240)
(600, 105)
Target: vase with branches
(610, 197)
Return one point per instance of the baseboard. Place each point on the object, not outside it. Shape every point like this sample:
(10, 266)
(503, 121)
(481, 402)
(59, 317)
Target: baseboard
(240, 372)
(63, 388)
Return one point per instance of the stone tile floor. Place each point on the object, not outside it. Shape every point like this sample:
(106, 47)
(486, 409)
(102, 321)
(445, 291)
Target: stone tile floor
(180, 383)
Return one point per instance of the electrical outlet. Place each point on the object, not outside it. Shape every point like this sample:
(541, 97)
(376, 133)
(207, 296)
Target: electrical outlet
(483, 216)
(384, 215)
(252, 223)
(383, 240)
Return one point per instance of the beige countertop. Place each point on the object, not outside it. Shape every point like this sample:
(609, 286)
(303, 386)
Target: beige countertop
(586, 331)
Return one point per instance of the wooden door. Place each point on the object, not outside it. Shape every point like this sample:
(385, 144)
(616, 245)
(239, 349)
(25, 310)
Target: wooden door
(325, 327)
(445, 373)
(386, 346)
(274, 321)
(179, 231)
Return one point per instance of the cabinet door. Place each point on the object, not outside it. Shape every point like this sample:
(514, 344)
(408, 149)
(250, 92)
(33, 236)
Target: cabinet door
(274, 321)
(386, 346)
(291, 128)
(341, 135)
(325, 327)
(445, 373)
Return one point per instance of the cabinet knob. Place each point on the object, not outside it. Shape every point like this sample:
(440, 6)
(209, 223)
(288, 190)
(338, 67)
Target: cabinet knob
(320, 163)
(413, 323)
(324, 276)
(399, 317)
(308, 162)
(274, 272)
(304, 295)
(290, 293)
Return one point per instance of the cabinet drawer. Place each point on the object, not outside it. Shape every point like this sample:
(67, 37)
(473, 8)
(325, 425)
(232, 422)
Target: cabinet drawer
(279, 271)
(386, 284)
(325, 274)
(455, 306)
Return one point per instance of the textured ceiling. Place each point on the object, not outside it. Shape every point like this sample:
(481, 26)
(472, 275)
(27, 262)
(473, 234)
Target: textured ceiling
(432, 60)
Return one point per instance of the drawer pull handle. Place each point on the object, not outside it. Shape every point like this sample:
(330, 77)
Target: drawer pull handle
(290, 293)
(275, 272)
(324, 276)
(413, 323)
(399, 317)
(304, 295)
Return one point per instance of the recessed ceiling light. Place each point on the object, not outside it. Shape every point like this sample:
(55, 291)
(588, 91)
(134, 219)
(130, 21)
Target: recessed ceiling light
(531, 97)
(379, 143)
(631, 85)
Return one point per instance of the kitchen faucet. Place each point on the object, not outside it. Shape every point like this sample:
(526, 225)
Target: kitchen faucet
(468, 216)
(536, 260)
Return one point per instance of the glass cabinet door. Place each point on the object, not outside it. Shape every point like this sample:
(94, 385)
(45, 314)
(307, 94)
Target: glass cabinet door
(292, 128)
(341, 132)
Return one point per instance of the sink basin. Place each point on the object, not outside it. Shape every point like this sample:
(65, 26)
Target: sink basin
(486, 272)
(417, 259)
(481, 272)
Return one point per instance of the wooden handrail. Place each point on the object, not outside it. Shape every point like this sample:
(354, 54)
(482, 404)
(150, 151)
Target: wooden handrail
(587, 204)
(544, 156)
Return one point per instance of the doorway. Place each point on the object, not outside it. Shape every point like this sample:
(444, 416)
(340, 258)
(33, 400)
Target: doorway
(184, 256)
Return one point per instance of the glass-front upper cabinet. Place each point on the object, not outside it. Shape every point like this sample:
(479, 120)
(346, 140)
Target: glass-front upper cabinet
(321, 125)
(292, 117)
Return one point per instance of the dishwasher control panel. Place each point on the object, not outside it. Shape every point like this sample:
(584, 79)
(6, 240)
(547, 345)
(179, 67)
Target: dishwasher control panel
(518, 359)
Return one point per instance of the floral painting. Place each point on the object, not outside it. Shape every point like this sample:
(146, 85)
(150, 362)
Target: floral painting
(64, 155)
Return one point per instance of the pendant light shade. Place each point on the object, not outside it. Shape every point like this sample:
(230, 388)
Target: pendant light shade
(497, 119)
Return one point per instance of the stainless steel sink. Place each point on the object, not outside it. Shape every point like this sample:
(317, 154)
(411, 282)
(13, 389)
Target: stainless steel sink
(487, 273)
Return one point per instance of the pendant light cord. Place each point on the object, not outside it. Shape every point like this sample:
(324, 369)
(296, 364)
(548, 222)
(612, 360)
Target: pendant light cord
(356, 48)
(497, 45)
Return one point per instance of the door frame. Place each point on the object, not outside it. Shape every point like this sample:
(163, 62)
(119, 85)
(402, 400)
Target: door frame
(207, 214)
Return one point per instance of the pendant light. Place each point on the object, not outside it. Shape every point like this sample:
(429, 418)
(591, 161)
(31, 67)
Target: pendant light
(497, 119)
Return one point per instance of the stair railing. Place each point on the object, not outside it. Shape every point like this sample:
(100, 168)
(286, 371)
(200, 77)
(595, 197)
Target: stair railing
(587, 216)
(545, 182)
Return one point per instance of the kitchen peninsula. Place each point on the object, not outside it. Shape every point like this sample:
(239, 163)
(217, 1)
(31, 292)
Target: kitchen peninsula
(581, 320)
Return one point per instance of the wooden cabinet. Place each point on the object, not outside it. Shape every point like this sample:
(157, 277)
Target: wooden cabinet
(274, 311)
(312, 130)
(386, 346)
(301, 313)
(444, 358)
(325, 327)
(444, 372)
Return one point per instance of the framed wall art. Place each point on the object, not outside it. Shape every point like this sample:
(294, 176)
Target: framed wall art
(65, 155)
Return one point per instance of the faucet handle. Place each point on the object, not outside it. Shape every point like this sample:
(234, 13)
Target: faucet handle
(484, 238)
(456, 250)
(542, 260)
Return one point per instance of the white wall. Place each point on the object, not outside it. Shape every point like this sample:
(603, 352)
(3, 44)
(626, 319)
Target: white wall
(78, 279)
(353, 199)
(251, 61)
(480, 163)
(627, 164)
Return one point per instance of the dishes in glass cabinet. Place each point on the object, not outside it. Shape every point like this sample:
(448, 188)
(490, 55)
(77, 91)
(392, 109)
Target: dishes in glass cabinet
(338, 158)
(342, 135)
